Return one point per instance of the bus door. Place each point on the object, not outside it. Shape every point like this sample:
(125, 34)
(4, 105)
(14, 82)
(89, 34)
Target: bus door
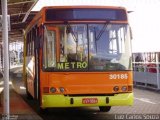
(30, 64)
(37, 42)
(50, 55)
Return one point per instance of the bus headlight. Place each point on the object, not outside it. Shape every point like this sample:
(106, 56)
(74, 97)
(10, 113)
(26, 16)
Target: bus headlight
(53, 90)
(61, 89)
(116, 88)
(124, 88)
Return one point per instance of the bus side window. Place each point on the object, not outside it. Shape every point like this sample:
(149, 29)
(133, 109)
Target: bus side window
(27, 44)
(28, 49)
(37, 39)
(30, 44)
(32, 41)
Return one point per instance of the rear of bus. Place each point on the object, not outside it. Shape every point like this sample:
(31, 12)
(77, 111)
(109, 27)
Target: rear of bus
(86, 58)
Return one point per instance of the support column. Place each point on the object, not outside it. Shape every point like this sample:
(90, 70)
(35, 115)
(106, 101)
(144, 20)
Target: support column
(6, 59)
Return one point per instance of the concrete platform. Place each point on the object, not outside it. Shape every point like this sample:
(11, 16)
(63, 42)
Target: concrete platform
(19, 109)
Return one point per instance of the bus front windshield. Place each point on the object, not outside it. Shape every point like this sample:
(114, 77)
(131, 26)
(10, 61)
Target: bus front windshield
(87, 47)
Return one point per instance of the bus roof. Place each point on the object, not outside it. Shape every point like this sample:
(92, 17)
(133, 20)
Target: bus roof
(84, 6)
(41, 14)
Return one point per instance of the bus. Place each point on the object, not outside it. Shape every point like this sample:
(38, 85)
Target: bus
(79, 56)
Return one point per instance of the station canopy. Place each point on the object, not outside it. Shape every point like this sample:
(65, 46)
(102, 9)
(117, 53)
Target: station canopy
(20, 15)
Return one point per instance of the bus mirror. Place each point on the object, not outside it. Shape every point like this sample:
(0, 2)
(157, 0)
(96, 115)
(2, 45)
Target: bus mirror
(131, 36)
(37, 42)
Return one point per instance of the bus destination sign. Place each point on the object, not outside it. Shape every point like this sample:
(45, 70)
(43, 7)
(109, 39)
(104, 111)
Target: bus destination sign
(71, 65)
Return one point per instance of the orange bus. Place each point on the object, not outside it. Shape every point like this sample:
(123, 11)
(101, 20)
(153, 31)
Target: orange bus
(78, 56)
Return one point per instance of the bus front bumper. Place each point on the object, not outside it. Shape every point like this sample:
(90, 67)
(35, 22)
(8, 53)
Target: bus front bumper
(122, 99)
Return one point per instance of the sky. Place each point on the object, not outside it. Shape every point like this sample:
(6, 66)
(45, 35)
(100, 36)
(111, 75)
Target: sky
(144, 20)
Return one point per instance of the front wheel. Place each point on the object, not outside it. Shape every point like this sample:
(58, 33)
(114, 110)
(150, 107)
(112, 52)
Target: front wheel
(42, 110)
(104, 108)
(29, 96)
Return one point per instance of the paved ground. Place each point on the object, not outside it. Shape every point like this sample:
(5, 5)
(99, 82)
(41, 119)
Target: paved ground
(146, 103)
(19, 109)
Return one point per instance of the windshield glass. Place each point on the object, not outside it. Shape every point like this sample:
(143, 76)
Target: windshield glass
(88, 47)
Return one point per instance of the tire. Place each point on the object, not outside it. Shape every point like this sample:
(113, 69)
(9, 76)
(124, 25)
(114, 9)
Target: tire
(42, 110)
(29, 96)
(104, 108)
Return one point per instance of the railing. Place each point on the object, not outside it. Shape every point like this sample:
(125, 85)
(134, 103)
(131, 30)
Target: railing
(147, 74)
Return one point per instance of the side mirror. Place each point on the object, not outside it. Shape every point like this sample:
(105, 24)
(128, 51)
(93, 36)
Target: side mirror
(37, 41)
(131, 35)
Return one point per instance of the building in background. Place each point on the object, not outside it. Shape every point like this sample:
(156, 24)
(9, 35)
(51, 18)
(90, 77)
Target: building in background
(16, 53)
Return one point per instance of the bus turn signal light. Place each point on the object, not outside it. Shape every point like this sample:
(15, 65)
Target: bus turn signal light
(130, 88)
(45, 89)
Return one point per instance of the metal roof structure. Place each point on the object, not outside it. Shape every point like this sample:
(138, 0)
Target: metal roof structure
(20, 15)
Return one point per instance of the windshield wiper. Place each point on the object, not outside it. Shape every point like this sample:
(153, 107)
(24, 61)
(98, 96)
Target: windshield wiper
(69, 28)
(101, 31)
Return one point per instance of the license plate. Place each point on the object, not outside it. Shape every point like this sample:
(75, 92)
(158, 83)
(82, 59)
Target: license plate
(89, 100)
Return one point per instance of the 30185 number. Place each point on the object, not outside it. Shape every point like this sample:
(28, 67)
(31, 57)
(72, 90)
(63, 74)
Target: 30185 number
(118, 76)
